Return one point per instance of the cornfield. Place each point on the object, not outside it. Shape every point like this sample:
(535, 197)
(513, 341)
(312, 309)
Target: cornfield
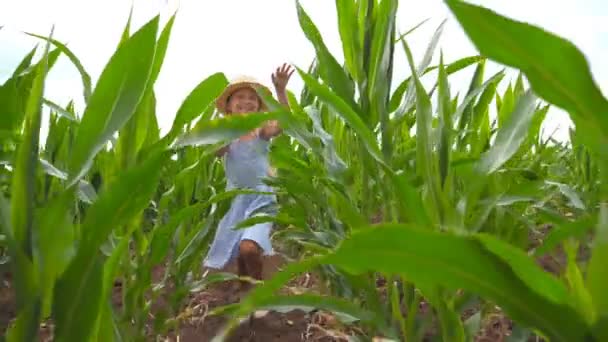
(420, 215)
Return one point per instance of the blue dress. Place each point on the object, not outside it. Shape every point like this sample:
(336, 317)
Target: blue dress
(246, 164)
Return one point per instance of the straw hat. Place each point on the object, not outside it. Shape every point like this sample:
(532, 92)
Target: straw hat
(239, 83)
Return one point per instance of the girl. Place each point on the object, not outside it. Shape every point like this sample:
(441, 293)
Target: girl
(246, 164)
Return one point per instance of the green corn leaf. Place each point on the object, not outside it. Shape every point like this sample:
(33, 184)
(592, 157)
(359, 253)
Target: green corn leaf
(600, 329)
(146, 124)
(445, 123)
(220, 277)
(365, 17)
(476, 82)
(570, 194)
(11, 107)
(78, 291)
(199, 99)
(408, 32)
(161, 49)
(60, 110)
(111, 266)
(381, 49)
(153, 129)
(507, 105)
(491, 82)
(161, 236)
(29, 73)
(458, 262)
(565, 230)
(452, 328)
(126, 31)
(534, 133)
(582, 299)
(410, 95)
(397, 313)
(133, 133)
(23, 187)
(510, 137)
(195, 241)
(306, 98)
(557, 71)
(451, 68)
(25, 62)
(345, 310)
(498, 102)
(25, 282)
(24, 328)
(381, 70)
(226, 128)
(347, 25)
(115, 98)
(76, 305)
(106, 328)
(472, 326)
(299, 127)
(350, 116)
(424, 143)
(85, 190)
(410, 200)
(480, 139)
(142, 126)
(22, 211)
(54, 240)
(86, 78)
(597, 269)
(260, 219)
(159, 244)
(519, 85)
(331, 72)
(543, 283)
(485, 99)
(333, 161)
(430, 50)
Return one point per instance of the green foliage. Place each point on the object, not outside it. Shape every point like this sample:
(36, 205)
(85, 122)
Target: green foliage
(436, 193)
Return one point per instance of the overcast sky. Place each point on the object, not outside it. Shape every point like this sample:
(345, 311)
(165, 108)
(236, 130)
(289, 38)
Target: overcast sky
(253, 37)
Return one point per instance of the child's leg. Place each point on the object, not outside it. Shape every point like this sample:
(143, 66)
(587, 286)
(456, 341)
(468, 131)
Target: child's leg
(255, 241)
(250, 262)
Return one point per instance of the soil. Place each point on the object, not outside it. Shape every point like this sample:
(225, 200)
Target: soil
(292, 326)
(196, 324)
(7, 302)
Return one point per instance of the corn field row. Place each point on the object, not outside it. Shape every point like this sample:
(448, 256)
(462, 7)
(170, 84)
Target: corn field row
(450, 200)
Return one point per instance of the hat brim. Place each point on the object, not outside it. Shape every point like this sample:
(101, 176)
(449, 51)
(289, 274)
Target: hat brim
(222, 101)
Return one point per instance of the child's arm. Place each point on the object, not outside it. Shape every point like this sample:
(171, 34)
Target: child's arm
(279, 79)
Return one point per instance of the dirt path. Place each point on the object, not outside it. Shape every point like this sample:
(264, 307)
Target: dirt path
(7, 302)
(293, 326)
(199, 326)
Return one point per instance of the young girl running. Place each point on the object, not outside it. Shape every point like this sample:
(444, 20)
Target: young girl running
(246, 164)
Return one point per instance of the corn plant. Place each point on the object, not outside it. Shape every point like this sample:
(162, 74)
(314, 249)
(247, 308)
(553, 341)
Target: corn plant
(378, 179)
(89, 207)
(457, 199)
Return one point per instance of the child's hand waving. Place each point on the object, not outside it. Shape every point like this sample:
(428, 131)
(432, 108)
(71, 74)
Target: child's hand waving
(281, 77)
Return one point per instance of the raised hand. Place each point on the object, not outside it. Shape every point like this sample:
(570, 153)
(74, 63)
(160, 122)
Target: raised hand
(281, 77)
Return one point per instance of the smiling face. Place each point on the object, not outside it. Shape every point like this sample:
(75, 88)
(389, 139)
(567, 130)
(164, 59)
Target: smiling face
(243, 101)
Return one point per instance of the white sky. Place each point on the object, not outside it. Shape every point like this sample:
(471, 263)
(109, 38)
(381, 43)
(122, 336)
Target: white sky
(253, 37)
